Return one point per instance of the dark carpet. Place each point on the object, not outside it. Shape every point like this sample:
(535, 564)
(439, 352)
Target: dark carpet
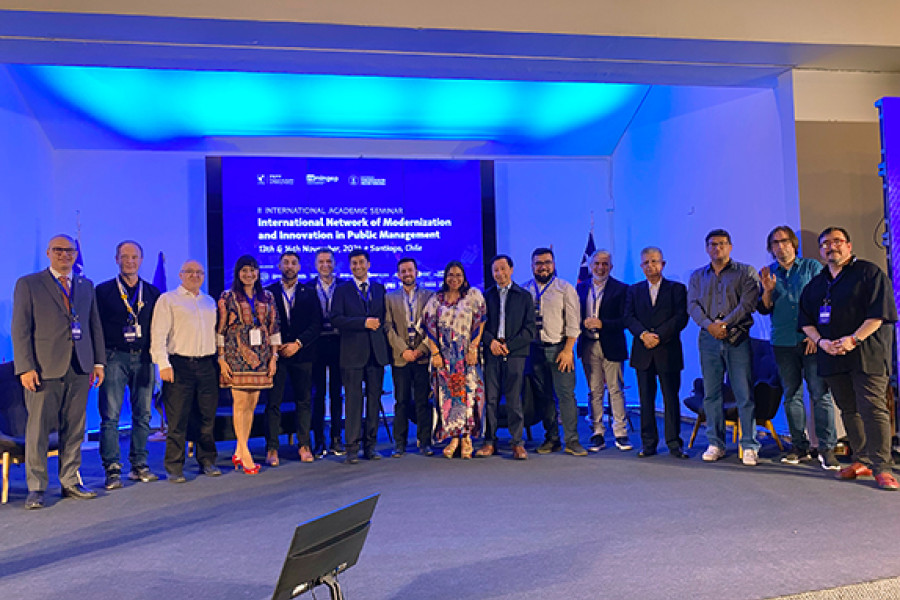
(556, 526)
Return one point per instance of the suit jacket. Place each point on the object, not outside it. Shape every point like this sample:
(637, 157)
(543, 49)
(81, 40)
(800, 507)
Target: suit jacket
(349, 314)
(396, 324)
(520, 328)
(305, 323)
(612, 313)
(666, 319)
(41, 330)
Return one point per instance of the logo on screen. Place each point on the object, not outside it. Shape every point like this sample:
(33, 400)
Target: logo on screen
(353, 179)
(313, 179)
(261, 179)
(366, 180)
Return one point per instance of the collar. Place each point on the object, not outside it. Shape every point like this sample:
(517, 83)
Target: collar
(602, 282)
(56, 274)
(728, 265)
(359, 282)
(183, 291)
(125, 283)
(846, 266)
(293, 287)
(655, 285)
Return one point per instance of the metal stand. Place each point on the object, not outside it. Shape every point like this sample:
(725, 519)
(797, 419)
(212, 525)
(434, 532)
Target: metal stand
(334, 588)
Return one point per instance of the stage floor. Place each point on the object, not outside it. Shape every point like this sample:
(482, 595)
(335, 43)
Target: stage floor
(606, 526)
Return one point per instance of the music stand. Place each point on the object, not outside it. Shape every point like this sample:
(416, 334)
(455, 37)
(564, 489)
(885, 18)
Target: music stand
(323, 548)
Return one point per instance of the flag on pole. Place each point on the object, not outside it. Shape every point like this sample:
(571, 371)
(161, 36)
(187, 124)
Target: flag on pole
(584, 271)
(159, 276)
(78, 267)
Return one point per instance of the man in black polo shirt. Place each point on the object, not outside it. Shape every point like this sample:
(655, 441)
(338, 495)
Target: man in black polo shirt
(847, 310)
(126, 304)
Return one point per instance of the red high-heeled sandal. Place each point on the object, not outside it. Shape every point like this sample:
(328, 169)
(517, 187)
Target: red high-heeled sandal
(254, 470)
(235, 461)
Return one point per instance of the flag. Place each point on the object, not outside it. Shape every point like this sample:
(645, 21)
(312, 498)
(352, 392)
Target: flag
(159, 276)
(78, 267)
(584, 271)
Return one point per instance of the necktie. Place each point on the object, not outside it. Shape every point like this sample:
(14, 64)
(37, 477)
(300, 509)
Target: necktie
(364, 289)
(64, 282)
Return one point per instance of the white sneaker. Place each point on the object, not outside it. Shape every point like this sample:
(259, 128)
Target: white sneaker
(713, 453)
(750, 458)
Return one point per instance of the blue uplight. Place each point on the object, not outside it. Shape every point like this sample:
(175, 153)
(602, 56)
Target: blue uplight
(154, 105)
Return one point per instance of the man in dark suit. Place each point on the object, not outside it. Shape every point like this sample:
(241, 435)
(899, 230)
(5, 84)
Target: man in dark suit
(507, 338)
(59, 354)
(602, 349)
(301, 322)
(326, 369)
(357, 311)
(656, 313)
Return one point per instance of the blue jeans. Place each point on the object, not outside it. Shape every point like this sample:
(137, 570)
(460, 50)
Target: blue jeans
(793, 367)
(126, 369)
(717, 357)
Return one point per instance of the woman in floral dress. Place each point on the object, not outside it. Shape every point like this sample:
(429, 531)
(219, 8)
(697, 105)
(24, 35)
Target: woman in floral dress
(453, 320)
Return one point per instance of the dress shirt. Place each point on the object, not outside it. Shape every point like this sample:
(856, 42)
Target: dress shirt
(289, 297)
(733, 293)
(596, 299)
(789, 283)
(654, 291)
(560, 311)
(325, 294)
(183, 324)
(70, 279)
(501, 326)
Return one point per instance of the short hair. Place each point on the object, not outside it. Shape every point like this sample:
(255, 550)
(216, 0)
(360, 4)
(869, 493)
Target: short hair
(64, 236)
(464, 288)
(237, 287)
(601, 252)
(503, 257)
(650, 249)
(407, 259)
(539, 251)
(325, 250)
(795, 242)
(717, 233)
(289, 253)
(123, 242)
(359, 252)
(832, 229)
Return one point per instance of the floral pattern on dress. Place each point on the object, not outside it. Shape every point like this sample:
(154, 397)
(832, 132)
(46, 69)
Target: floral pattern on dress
(234, 324)
(458, 387)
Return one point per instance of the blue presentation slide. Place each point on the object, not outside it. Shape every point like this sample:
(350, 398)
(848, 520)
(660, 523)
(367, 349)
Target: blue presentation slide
(429, 210)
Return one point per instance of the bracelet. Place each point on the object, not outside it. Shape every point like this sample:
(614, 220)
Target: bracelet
(855, 340)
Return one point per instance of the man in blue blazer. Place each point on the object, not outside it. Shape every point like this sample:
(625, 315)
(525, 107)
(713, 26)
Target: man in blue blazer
(507, 337)
(357, 311)
(59, 354)
(602, 349)
(656, 313)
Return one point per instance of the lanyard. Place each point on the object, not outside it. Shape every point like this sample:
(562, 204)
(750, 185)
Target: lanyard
(70, 295)
(594, 296)
(367, 296)
(540, 292)
(140, 299)
(411, 305)
(289, 299)
(327, 295)
(252, 302)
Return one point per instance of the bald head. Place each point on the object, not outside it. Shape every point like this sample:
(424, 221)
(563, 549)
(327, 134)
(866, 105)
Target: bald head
(62, 252)
(192, 276)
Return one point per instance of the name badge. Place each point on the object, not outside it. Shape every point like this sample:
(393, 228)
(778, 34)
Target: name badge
(411, 331)
(539, 321)
(76, 330)
(825, 314)
(130, 333)
(255, 337)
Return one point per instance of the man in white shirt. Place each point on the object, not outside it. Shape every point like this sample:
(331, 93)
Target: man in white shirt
(183, 346)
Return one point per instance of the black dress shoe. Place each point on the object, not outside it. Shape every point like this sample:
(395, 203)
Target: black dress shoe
(679, 454)
(428, 450)
(372, 455)
(398, 452)
(337, 448)
(351, 459)
(34, 501)
(176, 478)
(210, 470)
(646, 453)
(79, 492)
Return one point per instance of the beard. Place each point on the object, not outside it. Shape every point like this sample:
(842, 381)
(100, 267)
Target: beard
(542, 279)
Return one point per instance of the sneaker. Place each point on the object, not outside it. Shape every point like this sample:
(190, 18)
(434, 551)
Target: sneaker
(549, 446)
(713, 453)
(575, 449)
(887, 482)
(829, 460)
(597, 443)
(750, 458)
(428, 450)
(113, 480)
(177, 478)
(143, 474)
(623, 444)
(210, 470)
(791, 458)
(398, 452)
(337, 448)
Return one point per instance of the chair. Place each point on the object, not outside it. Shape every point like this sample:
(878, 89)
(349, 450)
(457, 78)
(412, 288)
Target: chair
(13, 417)
(767, 394)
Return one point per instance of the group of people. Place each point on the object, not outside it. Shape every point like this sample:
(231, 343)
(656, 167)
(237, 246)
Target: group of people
(457, 347)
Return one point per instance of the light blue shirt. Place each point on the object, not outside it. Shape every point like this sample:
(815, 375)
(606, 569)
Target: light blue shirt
(786, 299)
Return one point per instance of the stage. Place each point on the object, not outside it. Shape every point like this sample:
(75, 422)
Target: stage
(606, 526)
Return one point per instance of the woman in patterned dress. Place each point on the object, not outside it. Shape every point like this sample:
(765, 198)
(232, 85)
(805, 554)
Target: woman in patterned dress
(453, 320)
(247, 340)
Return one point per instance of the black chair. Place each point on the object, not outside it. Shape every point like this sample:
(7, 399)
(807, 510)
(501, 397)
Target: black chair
(767, 394)
(13, 417)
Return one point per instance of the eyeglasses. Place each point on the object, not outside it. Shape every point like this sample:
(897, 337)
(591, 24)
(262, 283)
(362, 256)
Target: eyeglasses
(543, 263)
(718, 244)
(652, 261)
(837, 243)
(783, 242)
(69, 251)
(197, 272)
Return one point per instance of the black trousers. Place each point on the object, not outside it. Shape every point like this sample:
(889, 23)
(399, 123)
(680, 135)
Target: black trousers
(300, 374)
(411, 388)
(862, 398)
(669, 383)
(328, 361)
(57, 404)
(191, 402)
(504, 376)
(373, 375)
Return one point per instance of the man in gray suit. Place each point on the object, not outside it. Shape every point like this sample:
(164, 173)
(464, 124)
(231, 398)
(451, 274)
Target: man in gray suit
(409, 357)
(59, 354)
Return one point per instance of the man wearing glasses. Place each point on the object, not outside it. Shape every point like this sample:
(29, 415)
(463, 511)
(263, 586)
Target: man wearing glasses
(183, 346)
(848, 310)
(795, 353)
(59, 353)
(721, 299)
